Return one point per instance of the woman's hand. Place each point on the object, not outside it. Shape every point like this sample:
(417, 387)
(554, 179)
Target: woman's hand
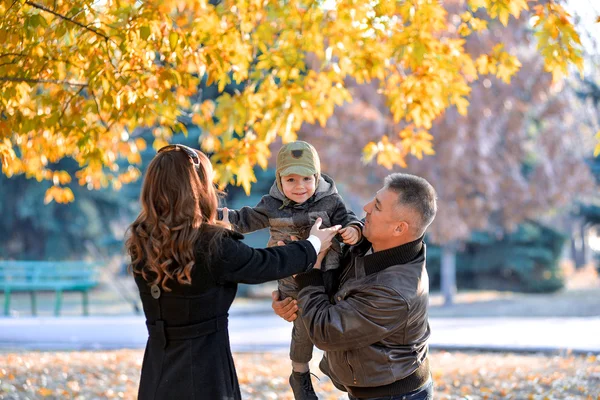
(225, 219)
(325, 235)
(320, 256)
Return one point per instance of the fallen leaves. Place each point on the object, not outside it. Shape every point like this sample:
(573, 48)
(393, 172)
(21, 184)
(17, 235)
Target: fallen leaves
(115, 375)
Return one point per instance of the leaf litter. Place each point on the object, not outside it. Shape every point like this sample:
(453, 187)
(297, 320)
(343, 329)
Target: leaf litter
(457, 375)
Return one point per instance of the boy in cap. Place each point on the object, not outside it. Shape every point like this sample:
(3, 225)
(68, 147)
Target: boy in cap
(299, 195)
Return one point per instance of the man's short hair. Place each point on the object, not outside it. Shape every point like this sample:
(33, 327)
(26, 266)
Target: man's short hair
(416, 193)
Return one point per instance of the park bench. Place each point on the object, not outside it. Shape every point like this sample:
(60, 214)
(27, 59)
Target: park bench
(57, 276)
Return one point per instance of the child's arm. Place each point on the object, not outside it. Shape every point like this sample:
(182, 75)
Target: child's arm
(352, 226)
(351, 234)
(247, 219)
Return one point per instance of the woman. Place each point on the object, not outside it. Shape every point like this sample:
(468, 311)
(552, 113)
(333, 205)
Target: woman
(187, 269)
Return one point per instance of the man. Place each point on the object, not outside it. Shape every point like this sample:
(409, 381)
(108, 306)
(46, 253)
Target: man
(374, 329)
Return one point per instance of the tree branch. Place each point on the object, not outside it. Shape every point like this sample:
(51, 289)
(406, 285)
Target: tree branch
(98, 110)
(13, 55)
(28, 80)
(13, 3)
(62, 112)
(41, 7)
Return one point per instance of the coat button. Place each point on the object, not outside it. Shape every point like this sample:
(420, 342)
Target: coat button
(155, 291)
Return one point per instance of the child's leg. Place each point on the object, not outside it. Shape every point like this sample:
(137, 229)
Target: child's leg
(301, 348)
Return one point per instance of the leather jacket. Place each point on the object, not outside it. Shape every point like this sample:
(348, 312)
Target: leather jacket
(374, 330)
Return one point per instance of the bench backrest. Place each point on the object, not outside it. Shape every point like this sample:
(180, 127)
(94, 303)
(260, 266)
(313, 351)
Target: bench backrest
(33, 272)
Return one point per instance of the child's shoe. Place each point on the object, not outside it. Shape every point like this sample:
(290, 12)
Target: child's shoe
(302, 386)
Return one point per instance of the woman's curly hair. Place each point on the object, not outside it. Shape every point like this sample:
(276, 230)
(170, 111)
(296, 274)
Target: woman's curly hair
(178, 200)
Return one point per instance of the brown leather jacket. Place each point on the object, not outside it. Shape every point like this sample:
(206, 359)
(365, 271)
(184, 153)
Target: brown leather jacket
(374, 330)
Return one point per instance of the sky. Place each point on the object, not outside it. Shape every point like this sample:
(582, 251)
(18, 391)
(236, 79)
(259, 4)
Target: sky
(587, 11)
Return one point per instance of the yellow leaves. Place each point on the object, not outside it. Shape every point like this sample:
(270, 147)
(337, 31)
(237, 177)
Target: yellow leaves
(499, 63)
(484, 64)
(470, 24)
(477, 4)
(463, 30)
(292, 63)
(61, 178)
(140, 143)
(198, 119)
(500, 9)
(7, 156)
(508, 65)
(173, 40)
(417, 143)
(288, 134)
(207, 109)
(245, 177)
(386, 153)
(132, 174)
(58, 194)
(558, 42)
(369, 152)
(597, 148)
(591, 359)
(159, 143)
(134, 158)
(44, 392)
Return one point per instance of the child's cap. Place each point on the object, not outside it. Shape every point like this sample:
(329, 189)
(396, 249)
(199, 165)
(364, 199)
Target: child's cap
(297, 158)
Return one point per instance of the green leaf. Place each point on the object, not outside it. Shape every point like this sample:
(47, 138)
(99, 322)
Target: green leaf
(145, 32)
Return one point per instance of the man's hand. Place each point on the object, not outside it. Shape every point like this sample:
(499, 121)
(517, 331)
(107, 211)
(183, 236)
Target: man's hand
(325, 235)
(350, 234)
(286, 308)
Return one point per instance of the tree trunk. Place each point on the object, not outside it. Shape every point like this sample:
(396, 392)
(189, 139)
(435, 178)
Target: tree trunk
(577, 243)
(448, 273)
(584, 244)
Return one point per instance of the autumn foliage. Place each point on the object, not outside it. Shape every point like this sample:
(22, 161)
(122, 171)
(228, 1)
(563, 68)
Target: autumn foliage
(78, 78)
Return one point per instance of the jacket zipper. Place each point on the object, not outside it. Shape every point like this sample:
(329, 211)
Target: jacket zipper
(351, 369)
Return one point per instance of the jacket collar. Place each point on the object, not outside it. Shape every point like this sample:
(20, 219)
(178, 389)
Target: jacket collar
(380, 260)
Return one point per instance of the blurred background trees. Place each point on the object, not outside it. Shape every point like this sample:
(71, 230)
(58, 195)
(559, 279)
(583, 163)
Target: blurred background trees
(519, 155)
(514, 174)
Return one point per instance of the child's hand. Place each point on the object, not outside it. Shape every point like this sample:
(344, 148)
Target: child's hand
(350, 234)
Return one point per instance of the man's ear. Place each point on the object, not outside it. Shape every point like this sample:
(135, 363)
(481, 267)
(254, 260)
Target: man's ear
(400, 228)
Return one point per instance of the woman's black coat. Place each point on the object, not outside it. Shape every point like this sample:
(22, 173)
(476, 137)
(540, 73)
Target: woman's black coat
(188, 362)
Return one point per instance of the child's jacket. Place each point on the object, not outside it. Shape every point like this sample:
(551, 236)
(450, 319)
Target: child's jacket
(286, 218)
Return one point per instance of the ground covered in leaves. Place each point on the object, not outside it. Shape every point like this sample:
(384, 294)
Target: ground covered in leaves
(458, 375)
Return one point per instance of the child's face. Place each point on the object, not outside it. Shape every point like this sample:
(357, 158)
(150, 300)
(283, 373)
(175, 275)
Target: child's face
(298, 188)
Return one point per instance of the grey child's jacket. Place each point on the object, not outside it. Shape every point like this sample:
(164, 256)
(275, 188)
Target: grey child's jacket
(285, 218)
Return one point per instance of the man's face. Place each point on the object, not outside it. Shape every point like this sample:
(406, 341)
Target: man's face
(382, 217)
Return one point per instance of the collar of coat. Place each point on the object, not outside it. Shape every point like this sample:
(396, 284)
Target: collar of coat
(380, 260)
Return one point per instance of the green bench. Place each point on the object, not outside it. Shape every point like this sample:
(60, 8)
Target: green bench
(57, 276)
